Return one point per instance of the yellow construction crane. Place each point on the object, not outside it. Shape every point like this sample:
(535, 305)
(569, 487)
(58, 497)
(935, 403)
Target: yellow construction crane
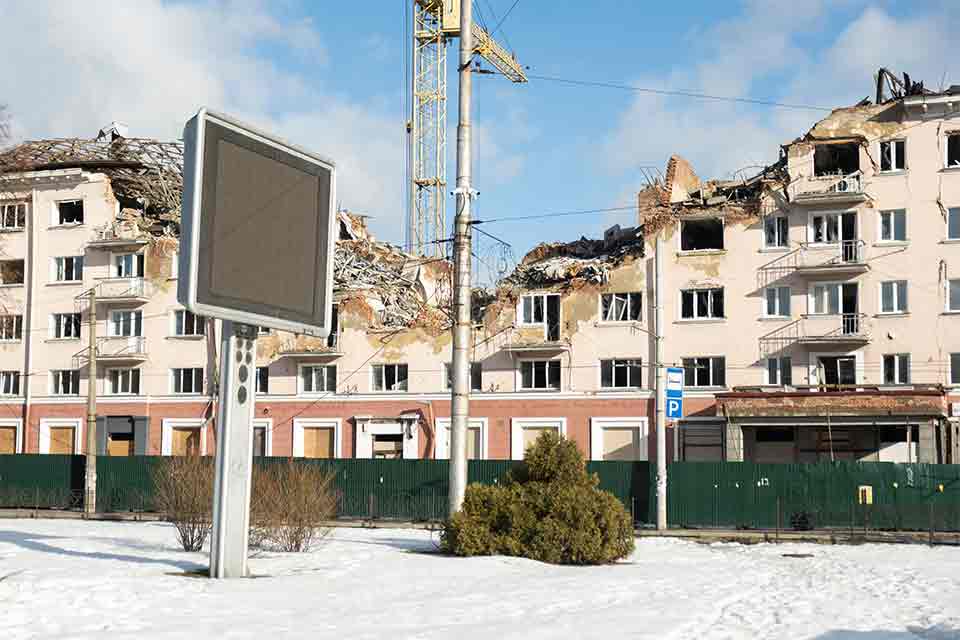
(435, 23)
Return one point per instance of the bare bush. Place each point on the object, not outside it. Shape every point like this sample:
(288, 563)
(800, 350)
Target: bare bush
(290, 503)
(183, 494)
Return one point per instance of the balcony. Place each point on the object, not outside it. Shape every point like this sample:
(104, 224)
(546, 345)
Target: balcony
(307, 347)
(131, 291)
(849, 330)
(839, 189)
(117, 236)
(115, 350)
(840, 260)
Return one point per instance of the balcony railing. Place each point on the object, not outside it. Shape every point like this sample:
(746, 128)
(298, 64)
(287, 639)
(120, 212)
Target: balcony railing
(116, 235)
(847, 256)
(836, 329)
(839, 188)
(115, 349)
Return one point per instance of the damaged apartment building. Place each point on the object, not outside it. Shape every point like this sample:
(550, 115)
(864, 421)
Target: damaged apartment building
(92, 225)
(815, 307)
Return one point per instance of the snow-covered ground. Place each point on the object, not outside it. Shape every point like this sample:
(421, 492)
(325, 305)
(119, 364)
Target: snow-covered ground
(75, 579)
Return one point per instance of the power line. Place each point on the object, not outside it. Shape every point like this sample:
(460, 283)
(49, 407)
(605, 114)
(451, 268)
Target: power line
(557, 214)
(512, 7)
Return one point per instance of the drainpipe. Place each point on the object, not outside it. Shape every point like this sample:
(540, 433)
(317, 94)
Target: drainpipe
(27, 324)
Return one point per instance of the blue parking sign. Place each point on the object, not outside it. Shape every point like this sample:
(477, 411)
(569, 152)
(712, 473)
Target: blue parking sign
(674, 392)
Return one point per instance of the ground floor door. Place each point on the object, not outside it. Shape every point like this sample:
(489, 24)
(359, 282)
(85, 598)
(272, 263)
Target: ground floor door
(8, 439)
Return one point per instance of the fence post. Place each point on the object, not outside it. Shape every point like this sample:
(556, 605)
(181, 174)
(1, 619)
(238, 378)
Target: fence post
(931, 523)
(779, 517)
(851, 521)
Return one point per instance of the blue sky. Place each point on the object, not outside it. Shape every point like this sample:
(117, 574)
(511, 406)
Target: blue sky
(329, 76)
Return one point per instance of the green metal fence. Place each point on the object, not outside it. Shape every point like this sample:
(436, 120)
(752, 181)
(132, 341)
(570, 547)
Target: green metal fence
(30, 481)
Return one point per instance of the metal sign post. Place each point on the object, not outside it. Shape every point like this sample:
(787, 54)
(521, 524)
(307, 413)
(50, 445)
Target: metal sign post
(234, 469)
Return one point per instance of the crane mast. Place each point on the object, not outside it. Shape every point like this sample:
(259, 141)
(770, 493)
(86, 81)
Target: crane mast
(435, 23)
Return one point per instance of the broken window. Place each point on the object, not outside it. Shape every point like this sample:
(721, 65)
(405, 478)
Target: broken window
(476, 376)
(540, 374)
(542, 308)
(620, 374)
(11, 328)
(896, 368)
(893, 296)
(837, 371)
(708, 371)
(779, 371)
(129, 265)
(11, 271)
(826, 228)
(893, 225)
(701, 303)
(389, 377)
(68, 269)
(187, 380)
(13, 216)
(775, 231)
(777, 302)
(953, 149)
(698, 235)
(70, 212)
(322, 378)
(334, 328)
(65, 382)
(66, 326)
(893, 155)
(836, 159)
(621, 307)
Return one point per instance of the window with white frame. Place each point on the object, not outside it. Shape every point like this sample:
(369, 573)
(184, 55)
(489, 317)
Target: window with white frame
(896, 368)
(542, 309)
(69, 212)
(65, 326)
(11, 328)
(389, 377)
(13, 216)
(186, 323)
(126, 323)
(701, 303)
(10, 383)
(952, 151)
(263, 381)
(776, 302)
(826, 298)
(540, 375)
(953, 223)
(124, 381)
(128, 265)
(186, 380)
(264, 331)
(780, 371)
(953, 295)
(621, 374)
(776, 231)
(893, 155)
(68, 269)
(65, 382)
(893, 225)
(476, 376)
(318, 378)
(893, 296)
(708, 371)
(701, 234)
(955, 368)
(825, 228)
(621, 307)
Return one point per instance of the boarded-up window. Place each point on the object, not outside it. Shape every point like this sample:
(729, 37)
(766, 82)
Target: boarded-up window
(318, 442)
(8, 440)
(62, 440)
(120, 444)
(530, 435)
(621, 443)
(185, 441)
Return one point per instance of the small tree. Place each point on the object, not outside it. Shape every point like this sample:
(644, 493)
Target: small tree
(183, 494)
(291, 503)
(552, 511)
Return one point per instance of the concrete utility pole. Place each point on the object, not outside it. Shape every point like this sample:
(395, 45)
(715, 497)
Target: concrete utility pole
(90, 475)
(661, 387)
(460, 384)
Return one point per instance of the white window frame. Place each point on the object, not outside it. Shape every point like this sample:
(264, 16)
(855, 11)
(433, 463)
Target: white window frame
(55, 218)
(951, 374)
(173, 378)
(712, 384)
(312, 365)
(77, 264)
(548, 389)
(710, 294)
(900, 307)
(267, 425)
(517, 425)
(814, 359)
(19, 378)
(442, 434)
(897, 370)
(953, 211)
(373, 367)
(893, 226)
(108, 381)
(893, 156)
(629, 307)
(198, 321)
(597, 425)
(5, 207)
(57, 320)
(447, 376)
(47, 423)
(764, 312)
(112, 324)
(946, 149)
(17, 424)
(53, 385)
(535, 323)
(299, 424)
(779, 381)
(14, 316)
(811, 299)
(169, 424)
(838, 214)
(950, 308)
(600, 386)
(115, 265)
(786, 238)
(256, 380)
